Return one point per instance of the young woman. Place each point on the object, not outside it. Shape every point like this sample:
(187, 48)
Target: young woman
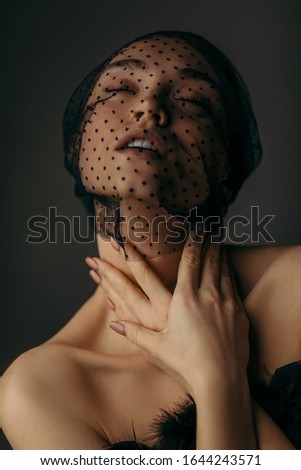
(187, 343)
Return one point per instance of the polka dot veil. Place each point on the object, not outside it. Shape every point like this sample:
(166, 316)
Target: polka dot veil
(158, 137)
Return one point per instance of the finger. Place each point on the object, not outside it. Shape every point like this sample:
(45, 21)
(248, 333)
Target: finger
(110, 304)
(117, 301)
(96, 278)
(226, 282)
(210, 271)
(122, 295)
(119, 286)
(234, 283)
(190, 263)
(137, 334)
(145, 275)
(90, 262)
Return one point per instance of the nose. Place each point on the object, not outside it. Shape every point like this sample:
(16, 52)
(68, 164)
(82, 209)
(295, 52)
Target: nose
(151, 109)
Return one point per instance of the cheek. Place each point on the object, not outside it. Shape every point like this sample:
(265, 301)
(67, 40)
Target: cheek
(205, 143)
(201, 161)
(97, 159)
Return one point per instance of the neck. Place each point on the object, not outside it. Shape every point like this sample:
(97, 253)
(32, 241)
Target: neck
(166, 268)
(158, 236)
(165, 265)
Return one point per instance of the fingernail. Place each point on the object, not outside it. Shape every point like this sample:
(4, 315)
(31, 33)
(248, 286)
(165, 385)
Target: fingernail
(123, 251)
(96, 277)
(115, 244)
(110, 303)
(118, 327)
(90, 262)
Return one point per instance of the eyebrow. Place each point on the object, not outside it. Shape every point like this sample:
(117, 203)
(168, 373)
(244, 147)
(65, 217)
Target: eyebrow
(198, 75)
(187, 72)
(130, 63)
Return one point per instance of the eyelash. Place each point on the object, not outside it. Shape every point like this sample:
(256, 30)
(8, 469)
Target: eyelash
(190, 99)
(193, 100)
(115, 90)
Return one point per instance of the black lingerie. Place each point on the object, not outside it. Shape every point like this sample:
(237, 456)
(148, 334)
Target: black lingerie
(280, 398)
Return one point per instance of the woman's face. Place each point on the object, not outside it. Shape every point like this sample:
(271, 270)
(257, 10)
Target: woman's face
(155, 131)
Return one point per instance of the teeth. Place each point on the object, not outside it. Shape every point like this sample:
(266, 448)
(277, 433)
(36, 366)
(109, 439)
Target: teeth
(142, 144)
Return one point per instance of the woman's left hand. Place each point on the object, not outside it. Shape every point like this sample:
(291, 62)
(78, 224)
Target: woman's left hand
(205, 333)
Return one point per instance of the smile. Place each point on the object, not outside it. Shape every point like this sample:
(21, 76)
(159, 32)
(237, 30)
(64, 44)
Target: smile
(143, 140)
(142, 144)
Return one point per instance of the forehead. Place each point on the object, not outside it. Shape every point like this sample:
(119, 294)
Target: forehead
(164, 54)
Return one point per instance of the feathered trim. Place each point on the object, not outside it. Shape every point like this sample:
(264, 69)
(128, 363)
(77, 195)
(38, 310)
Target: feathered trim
(176, 428)
(280, 398)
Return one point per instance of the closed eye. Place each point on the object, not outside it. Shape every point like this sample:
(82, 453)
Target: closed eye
(194, 100)
(116, 90)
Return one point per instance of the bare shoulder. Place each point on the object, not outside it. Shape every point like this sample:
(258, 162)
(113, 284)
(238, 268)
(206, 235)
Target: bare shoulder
(39, 410)
(269, 279)
(251, 263)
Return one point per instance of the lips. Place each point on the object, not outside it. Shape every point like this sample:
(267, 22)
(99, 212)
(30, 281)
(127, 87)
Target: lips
(143, 140)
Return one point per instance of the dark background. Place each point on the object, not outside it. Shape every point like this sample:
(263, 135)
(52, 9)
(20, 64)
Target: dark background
(49, 47)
